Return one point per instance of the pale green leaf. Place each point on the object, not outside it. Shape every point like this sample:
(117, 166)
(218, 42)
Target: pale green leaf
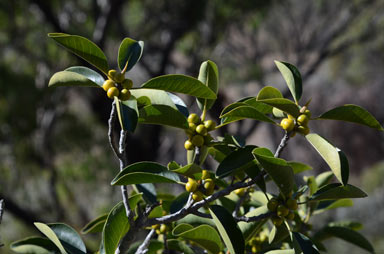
(292, 77)
(130, 52)
(208, 75)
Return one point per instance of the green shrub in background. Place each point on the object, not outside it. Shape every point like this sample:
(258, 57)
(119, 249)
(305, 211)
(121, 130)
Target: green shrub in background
(227, 209)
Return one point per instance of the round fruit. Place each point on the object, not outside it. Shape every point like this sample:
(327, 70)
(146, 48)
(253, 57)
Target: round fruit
(240, 192)
(119, 77)
(303, 120)
(255, 249)
(210, 125)
(197, 196)
(188, 145)
(282, 211)
(201, 129)
(277, 221)
(108, 84)
(192, 127)
(125, 94)
(158, 231)
(205, 174)
(127, 84)
(291, 117)
(291, 216)
(287, 124)
(209, 186)
(198, 140)
(272, 204)
(303, 130)
(308, 113)
(193, 118)
(163, 228)
(291, 204)
(112, 92)
(191, 185)
(156, 226)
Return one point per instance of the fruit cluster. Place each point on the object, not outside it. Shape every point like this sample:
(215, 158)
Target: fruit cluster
(198, 132)
(205, 186)
(117, 85)
(257, 241)
(162, 229)
(299, 124)
(285, 209)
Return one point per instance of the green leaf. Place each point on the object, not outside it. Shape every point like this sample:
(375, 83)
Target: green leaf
(332, 204)
(115, 228)
(305, 244)
(344, 166)
(95, 225)
(152, 96)
(205, 236)
(269, 92)
(337, 191)
(354, 114)
(179, 202)
(69, 238)
(180, 84)
(228, 229)
(162, 115)
(70, 78)
(324, 178)
(208, 75)
(292, 77)
(188, 170)
(298, 167)
(196, 220)
(281, 252)
(279, 170)
(127, 113)
(244, 112)
(148, 190)
(278, 234)
(248, 229)
(330, 154)
(145, 172)
(283, 104)
(180, 246)
(346, 234)
(88, 73)
(48, 232)
(83, 48)
(34, 245)
(130, 52)
(238, 160)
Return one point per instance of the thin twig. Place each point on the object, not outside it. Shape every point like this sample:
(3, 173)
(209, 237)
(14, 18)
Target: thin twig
(282, 144)
(143, 248)
(239, 203)
(203, 215)
(166, 249)
(254, 218)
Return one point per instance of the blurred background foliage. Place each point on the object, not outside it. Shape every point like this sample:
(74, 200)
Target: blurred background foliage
(56, 163)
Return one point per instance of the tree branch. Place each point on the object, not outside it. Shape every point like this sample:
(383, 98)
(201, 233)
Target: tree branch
(282, 145)
(143, 248)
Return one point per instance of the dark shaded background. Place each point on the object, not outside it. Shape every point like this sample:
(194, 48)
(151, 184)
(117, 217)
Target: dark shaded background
(55, 162)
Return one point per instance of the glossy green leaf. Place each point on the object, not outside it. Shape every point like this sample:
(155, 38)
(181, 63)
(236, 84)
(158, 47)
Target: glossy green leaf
(180, 104)
(228, 229)
(269, 92)
(298, 167)
(180, 84)
(208, 75)
(306, 245)
(337, 191)
(354, 114)
(88, 73)
(127, 113)
(250, 228)
(162, 115)
(324, 178)
(130, 52)
(346, 234)
(51, 235)
(83, 48)
(245, 112)
(344, 166)
(152, 96)
(188, 170)
(69, 238)
(329, 153)
(180, 246)
(347, 224)
(145, 172)
(332, 204)
(95, 225)
(70, 78)
(279, 170)
(205, 236)
(179, 202)
(283, 104)
(292, 77)
(196, 220)
(115, 228)
(278, 234)
(34, 245)
(239, 160)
